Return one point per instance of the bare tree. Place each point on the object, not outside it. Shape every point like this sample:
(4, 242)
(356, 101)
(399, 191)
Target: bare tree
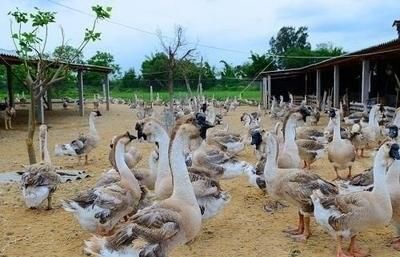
(176, 51)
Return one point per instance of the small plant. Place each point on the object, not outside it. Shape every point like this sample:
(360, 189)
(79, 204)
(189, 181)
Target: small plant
(30, 32)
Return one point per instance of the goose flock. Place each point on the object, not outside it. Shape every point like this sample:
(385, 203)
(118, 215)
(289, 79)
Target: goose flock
(149, 212)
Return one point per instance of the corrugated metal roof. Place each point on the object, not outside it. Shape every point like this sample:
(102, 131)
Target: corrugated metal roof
(13, 58)
(349, 56)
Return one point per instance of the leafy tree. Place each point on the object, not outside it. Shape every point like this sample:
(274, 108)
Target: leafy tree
(95, 80)
(30, 37)
(128, 80)
(155, 66)
(257, 64)
(67, 53)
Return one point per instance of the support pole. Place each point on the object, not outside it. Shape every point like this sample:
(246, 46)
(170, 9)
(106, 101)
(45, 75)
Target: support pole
(80, 89)
(39, 108)
(264, 92)
(10, 85)
(318, 86)
(269, 92)
(107, 92)
(336, 86)
(365, 80)
(305, 85)
(151, 93)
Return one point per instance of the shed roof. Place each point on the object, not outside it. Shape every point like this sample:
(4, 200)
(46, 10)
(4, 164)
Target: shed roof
(386, 48)
(10, 57)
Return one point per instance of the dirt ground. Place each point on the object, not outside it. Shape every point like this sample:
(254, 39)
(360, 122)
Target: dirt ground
(242, 229)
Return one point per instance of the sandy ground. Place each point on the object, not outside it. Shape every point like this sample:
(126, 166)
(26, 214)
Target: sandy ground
(242, 229)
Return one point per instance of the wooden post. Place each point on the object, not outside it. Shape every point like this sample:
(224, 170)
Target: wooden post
(365, 81)
(264, 92)
(305, 84)
(336, 86)
(107, 92)
(80, 90)
(151, 93)
(269, 92)
(318, 86)
(10, 85)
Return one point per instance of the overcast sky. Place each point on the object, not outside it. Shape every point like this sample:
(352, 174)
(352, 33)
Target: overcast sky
(241, 25)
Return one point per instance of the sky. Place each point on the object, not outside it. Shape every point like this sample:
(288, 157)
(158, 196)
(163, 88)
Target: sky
(219, 29)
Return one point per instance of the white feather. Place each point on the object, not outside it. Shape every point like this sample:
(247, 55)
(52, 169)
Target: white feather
(34, 196)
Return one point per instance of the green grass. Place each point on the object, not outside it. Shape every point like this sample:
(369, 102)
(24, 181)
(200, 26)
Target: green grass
(220, 94)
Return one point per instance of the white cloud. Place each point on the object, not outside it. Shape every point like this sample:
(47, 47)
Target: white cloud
(245, 25)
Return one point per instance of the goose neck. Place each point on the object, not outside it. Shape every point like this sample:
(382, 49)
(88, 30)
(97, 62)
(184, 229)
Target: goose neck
(163, 162)
(180, 176)
(92, 126)
(336, 130)
(271, 163)
(44, 152)
(127, 176)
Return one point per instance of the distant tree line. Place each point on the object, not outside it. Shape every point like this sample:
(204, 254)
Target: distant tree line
(290, 48)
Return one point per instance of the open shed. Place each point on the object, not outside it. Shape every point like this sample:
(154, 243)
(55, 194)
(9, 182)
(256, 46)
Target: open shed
(367, 74)
(9, 58)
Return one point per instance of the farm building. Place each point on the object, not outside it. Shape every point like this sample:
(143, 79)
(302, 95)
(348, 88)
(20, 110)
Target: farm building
(371, 74)
(10, 58)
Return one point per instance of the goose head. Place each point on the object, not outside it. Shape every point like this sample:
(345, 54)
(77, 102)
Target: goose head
(388, 153)
(256, 138)
(96, 113)
(202, 123)
(125, 139)
(393, 131)
(151, 130)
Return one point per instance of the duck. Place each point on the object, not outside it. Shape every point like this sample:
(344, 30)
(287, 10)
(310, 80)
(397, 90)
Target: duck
(39, 181)
(358, 139)
(294, 186)
(211, 198)
(99, 209)
(344, 216)
(356, 117)
(230, 142)
(341, 152)
(372, 132)
(289, 156)
(165, 225)
(310, 151)
(84, 144)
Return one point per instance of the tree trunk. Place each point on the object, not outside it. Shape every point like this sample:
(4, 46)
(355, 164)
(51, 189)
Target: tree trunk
(171, 87)
(187, 82)
(31, 129)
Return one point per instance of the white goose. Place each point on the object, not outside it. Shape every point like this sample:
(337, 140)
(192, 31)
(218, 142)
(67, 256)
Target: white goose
(346, 215)
(39, 181)
(164, 225)
(101, 208)
(84, 144)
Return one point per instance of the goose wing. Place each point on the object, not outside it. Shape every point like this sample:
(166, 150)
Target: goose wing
(40, 175)
(310, 145)
(216, 156)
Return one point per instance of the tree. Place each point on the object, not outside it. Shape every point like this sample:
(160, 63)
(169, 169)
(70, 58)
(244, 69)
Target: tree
(128, 80)
(155, 67)
(30, 40)
(176, 52)
(66, 53)
(257, 64)
(94, 80)
(287, 39)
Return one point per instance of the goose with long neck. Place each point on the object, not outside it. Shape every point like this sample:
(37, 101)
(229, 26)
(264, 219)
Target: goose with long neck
(211, 199)
(341, 152)
(84, 144)
(372, 132)
(289, 156)
(344, 216)
(166, 224)
(294, 186)
(99, 209)
(393, 185)
(39, 181)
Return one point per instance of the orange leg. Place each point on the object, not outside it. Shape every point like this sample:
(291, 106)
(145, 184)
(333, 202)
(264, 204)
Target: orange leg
(86, 159)
(339, 248)
(300, 228)
(349, 175)
(362, 152)
(338, 177)
(395, 244)
(355, 250)
(306, 233)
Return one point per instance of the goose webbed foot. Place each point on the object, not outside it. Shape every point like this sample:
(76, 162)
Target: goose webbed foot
(355, 250)
(395, 243)
(274, 206)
